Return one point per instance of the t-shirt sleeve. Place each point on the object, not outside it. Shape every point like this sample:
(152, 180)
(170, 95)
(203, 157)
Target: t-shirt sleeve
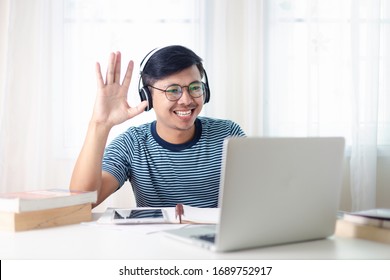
(236, 130)
(116, 159)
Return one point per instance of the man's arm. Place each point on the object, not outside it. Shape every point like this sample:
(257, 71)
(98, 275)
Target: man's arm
(111, 108)
(87, 174)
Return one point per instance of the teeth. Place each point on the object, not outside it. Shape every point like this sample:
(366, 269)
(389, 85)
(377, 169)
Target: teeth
(183, 113)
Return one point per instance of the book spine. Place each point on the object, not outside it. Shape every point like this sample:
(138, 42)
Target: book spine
(363, 220)
(45, 218)
(353, 230)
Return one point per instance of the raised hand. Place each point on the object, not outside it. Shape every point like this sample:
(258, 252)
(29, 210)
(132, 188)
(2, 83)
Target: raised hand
(111, 106)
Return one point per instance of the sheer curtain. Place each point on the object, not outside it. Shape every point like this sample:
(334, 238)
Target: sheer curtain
(234, 60)
(306, 68)
(366, 37)
(25, 113)
(325, 74)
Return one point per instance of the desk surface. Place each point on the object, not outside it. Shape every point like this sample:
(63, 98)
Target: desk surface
(99, 242)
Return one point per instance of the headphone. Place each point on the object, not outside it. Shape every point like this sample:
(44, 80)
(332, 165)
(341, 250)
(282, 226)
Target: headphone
(144, 91)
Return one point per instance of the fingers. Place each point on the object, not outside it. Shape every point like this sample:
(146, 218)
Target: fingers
(129, 72)
(110, 69)
(114, 70)
(99, 78)
(117, 67)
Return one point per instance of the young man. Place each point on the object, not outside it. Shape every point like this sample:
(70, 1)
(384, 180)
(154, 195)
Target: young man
(175, 159)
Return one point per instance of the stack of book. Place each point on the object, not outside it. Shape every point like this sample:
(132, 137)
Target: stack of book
(44, 208)
(373, 224)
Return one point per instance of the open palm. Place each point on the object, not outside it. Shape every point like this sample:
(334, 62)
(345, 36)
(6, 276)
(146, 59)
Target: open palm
(111, 106)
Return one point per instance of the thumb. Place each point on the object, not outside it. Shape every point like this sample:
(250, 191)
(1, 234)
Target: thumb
(134, 111)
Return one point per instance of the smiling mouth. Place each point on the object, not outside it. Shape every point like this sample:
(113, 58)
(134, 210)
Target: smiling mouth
(183, 113)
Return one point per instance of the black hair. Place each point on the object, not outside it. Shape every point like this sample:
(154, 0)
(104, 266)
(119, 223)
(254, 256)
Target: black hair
(167, 61)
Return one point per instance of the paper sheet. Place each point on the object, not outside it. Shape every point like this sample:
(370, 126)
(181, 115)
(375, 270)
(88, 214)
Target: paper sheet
(192, 214)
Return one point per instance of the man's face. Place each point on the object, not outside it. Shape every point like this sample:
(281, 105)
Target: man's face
(177, 117)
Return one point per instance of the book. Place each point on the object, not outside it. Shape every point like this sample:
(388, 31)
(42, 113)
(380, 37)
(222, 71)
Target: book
(371, 217)
(349, 229)
(18, 202)
(22, 221)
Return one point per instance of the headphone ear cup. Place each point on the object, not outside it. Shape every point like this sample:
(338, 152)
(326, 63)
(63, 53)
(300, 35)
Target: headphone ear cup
(206, 93)
(145, 94)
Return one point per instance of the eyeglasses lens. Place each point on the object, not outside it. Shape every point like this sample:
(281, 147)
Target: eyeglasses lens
(174, 92)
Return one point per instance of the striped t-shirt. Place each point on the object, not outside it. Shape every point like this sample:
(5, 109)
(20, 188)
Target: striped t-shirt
(164, 174)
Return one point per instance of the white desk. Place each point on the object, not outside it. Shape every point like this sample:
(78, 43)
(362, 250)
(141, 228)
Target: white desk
(89, 242)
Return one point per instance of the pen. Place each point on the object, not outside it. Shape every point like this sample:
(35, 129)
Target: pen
(179, 211)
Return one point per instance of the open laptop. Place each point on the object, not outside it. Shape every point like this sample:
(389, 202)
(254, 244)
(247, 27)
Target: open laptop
(274, 191)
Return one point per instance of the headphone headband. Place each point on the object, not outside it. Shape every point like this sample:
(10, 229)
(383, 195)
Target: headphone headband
(143, 90)
(146, 59)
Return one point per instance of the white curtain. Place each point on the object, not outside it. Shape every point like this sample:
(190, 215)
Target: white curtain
(27, 159)
(366, 39)
(234, 61)
(305, 68)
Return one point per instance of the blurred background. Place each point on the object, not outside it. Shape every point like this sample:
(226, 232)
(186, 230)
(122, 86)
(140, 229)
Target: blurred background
(276, 67)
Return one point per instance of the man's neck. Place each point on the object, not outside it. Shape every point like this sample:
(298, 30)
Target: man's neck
(175, 136)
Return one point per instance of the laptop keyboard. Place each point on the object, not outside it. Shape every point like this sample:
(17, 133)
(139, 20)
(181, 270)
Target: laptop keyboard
(206, 237)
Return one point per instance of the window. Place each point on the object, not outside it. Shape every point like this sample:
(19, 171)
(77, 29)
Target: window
(326, 68)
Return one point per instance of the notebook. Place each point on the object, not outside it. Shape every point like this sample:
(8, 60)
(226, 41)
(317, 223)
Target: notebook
(273, 191)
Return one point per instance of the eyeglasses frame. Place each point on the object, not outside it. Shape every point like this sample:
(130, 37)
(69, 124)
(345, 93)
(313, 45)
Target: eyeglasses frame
(204, 86)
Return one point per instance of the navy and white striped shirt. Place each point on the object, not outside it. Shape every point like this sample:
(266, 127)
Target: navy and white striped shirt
(164, 174)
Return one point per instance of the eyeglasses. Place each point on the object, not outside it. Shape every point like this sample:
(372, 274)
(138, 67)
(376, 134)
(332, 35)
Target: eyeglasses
(174, 92)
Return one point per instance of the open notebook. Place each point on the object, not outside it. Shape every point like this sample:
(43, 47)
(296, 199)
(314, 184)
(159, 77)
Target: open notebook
(273, 191)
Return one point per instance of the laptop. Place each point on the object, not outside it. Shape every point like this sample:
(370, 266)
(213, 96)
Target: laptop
(273, 191)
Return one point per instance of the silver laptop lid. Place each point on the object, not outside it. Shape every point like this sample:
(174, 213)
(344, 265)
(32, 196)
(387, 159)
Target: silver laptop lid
(278, 190)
